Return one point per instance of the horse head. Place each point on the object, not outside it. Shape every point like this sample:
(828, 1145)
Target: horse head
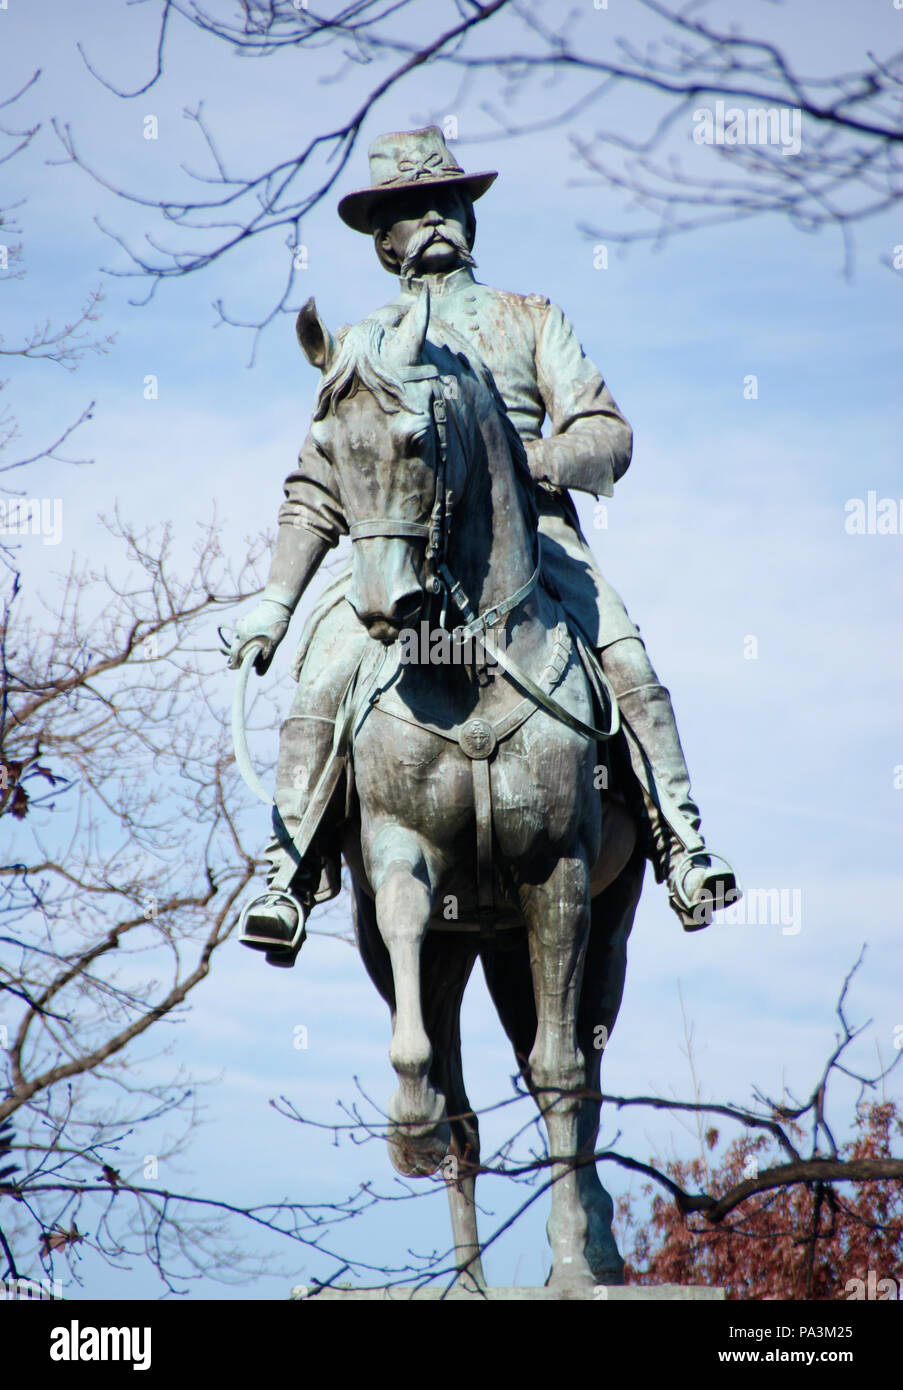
(374, 421)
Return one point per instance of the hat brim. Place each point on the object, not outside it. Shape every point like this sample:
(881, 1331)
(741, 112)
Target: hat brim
(356, 209)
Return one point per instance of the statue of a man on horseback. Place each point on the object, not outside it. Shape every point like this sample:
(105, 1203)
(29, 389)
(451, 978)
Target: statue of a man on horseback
(498, 806)
(419, 210)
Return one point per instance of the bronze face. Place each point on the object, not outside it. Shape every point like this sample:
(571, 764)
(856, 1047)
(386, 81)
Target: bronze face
(425, 231)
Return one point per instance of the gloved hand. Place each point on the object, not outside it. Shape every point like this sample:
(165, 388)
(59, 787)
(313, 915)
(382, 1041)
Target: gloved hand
(537, 462)
(266, 624)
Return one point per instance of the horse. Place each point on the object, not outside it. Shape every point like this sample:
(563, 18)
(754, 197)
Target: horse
(479, 827)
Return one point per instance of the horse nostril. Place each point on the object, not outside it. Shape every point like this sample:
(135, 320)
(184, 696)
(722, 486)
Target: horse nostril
(406, 607)
(385, 623)
(383, 631)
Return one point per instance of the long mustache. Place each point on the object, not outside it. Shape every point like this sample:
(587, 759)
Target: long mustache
(426, 236)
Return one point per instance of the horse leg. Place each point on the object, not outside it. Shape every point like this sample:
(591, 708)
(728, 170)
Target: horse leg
(557, 917)
(612, 916)
(446, 962)
(419, 1137)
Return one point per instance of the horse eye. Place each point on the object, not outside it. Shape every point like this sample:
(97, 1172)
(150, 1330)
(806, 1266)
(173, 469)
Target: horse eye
(416, 442)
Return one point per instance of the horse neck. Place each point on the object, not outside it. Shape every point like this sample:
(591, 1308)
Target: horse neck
(492, 551)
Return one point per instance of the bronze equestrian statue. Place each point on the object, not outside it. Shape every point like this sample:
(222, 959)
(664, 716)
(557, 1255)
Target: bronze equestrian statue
(499, 805)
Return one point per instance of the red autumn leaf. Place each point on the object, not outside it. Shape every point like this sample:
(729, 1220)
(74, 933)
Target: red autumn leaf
(58, 1239)
(765, 1248)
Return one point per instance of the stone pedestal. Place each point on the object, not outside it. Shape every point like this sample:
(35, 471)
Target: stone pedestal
(603, 1293)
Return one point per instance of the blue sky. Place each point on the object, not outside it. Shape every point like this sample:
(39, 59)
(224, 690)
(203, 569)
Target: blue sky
(728, 525)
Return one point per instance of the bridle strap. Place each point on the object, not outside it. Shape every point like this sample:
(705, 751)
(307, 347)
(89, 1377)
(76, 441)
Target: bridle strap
(492, 616)
(551, 705)
(511, 668)
(438, 527)
(433, 531)
(387, 526)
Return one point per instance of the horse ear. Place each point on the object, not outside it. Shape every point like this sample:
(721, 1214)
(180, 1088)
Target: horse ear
(410, 334)
(317, 343)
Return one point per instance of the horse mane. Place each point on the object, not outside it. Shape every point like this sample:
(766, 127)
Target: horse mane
(361, 363)
(518, 452)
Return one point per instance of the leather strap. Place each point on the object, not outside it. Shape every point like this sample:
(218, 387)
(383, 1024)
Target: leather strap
(298, 843)
(551, 706)
(482, 806)
(503, 727)
(492, 616)
(667, 807)
(519, 676)
(387, 526)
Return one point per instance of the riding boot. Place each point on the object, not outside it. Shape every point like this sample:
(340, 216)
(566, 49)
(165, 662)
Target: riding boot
(275, 922)
(696, 887)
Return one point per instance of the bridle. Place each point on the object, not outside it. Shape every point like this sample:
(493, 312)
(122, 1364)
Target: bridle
(442, 582)
(436, 531)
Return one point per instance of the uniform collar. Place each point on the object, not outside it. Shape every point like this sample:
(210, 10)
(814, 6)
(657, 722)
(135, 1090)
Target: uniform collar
(450, 283)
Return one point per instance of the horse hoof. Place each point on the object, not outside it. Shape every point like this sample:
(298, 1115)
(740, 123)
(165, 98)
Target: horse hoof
(573, 1279)
(569, 1288)
(283, 957)
(573, 1290)
(419, 1156)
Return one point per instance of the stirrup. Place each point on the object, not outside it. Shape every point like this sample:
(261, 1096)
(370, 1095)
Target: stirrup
(283, 949)
(698, 914)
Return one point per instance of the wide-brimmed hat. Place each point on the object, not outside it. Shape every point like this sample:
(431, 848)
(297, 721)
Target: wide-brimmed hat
(408, 159)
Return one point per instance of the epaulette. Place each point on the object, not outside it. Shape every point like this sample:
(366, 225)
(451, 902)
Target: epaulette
(532, 300)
